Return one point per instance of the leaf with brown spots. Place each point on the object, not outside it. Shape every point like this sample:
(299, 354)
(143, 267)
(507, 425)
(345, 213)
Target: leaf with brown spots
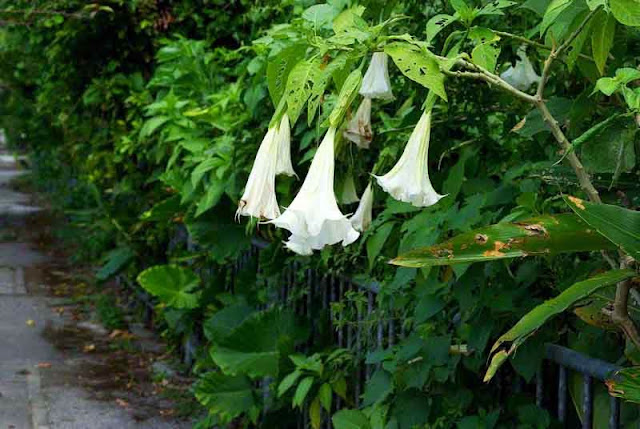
(541, 235)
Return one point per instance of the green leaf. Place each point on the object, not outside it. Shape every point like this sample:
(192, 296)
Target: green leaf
(299, 84)
(625, 384)
(256, 346)
(541, 235)
(225, 321)
(172, 284)
(378, 388)
(278, 70)
(315, 413)
(348, 92)
(419, 66)
(350, 19)
(215, 190)
(163, 211)
(626, 12)
(620, 225)
(288, 382)
(427, 307)
(325, 393)
(555, 8)
(376, 242)
(350, 419)
(115, 261)
(438, 23)
(320, 15)
(152, 125)
(486, 56)
(604, 29)
(219, 234)
(301, 392)
(225, 396)
(537, 317)
(611, 149)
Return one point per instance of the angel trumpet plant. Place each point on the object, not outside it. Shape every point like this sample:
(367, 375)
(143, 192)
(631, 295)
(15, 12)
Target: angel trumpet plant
(283, 165)
(408, 180)
(359, 129)
(522, 75)
(313, 218)
(259, 197)
(363, 215)
(376, 83)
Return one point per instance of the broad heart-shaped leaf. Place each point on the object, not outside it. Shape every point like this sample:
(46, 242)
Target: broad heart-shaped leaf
(278, 70)
(555, 8)
(350, 419)
(541, 235)
(255, 347)
(417, 65)
(172, 284)
(625, 384)
(216, 232)
(486, 56)
(225, 396)
(620, 225)
(507, 344)
(225, 321)
(626, 11)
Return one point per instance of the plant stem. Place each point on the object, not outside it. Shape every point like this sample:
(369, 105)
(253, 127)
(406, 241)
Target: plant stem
(620, 314)
(533, 43)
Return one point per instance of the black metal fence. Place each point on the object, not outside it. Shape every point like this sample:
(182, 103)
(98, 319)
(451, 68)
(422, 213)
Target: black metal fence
(373, 328)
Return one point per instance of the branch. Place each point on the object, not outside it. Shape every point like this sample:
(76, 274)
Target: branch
(557, 52)
(533, 43)
(620, 314)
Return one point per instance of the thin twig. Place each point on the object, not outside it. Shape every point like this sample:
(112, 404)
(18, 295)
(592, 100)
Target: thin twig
(533, 43)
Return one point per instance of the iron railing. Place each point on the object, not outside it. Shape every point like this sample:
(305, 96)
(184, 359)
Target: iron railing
(372, 329)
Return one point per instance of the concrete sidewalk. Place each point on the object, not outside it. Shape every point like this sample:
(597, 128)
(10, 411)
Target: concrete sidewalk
(31, 393)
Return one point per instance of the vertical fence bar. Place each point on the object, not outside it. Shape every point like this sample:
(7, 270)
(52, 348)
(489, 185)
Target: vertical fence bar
(587, 402)
(341, 328)
(369, 313)
(614, 410)
(562, 393)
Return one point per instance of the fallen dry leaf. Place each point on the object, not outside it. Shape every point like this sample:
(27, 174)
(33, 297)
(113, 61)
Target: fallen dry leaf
(89, 348)
(44, 365)
(31, 322)
(122, 403)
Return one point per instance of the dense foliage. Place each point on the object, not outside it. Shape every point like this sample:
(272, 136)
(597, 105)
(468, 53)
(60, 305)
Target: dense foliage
(143, 119)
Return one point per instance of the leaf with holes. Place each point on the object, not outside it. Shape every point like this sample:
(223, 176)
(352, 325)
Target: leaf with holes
(173, 285)
(508, 343)
(278, 70)
(541, 235)
(486, 56)
(419, 66)
(299, 84)
(620, 225)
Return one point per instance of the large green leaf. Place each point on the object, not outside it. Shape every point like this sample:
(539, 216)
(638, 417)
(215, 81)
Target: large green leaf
(172, 284)
(536, 236)
(216, 232)
(417, 65)
(255, 347)
(348, 92)
(225, 321)
(225, 396)
(299, 84)
(114, 262)
(625, 384)
(278, 70)
(507, 344)
(604, 29)
(620, 225)
(626, 11)
(350, 419)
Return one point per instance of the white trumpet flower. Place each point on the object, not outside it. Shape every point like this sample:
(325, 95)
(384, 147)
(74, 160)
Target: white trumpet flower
(408, 180)
(313, 218)
(348, 194)
(363, 215)
(522, 75)
(376, 83)
(284, 166)
(259, 197)
(359, 129)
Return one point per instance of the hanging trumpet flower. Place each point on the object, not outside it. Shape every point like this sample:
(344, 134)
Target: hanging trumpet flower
(359, 129)
(522, 75)
(313, 218)
(361, 219)
(283, 165)
(408, 180)
(376, 83)
(259, 197)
